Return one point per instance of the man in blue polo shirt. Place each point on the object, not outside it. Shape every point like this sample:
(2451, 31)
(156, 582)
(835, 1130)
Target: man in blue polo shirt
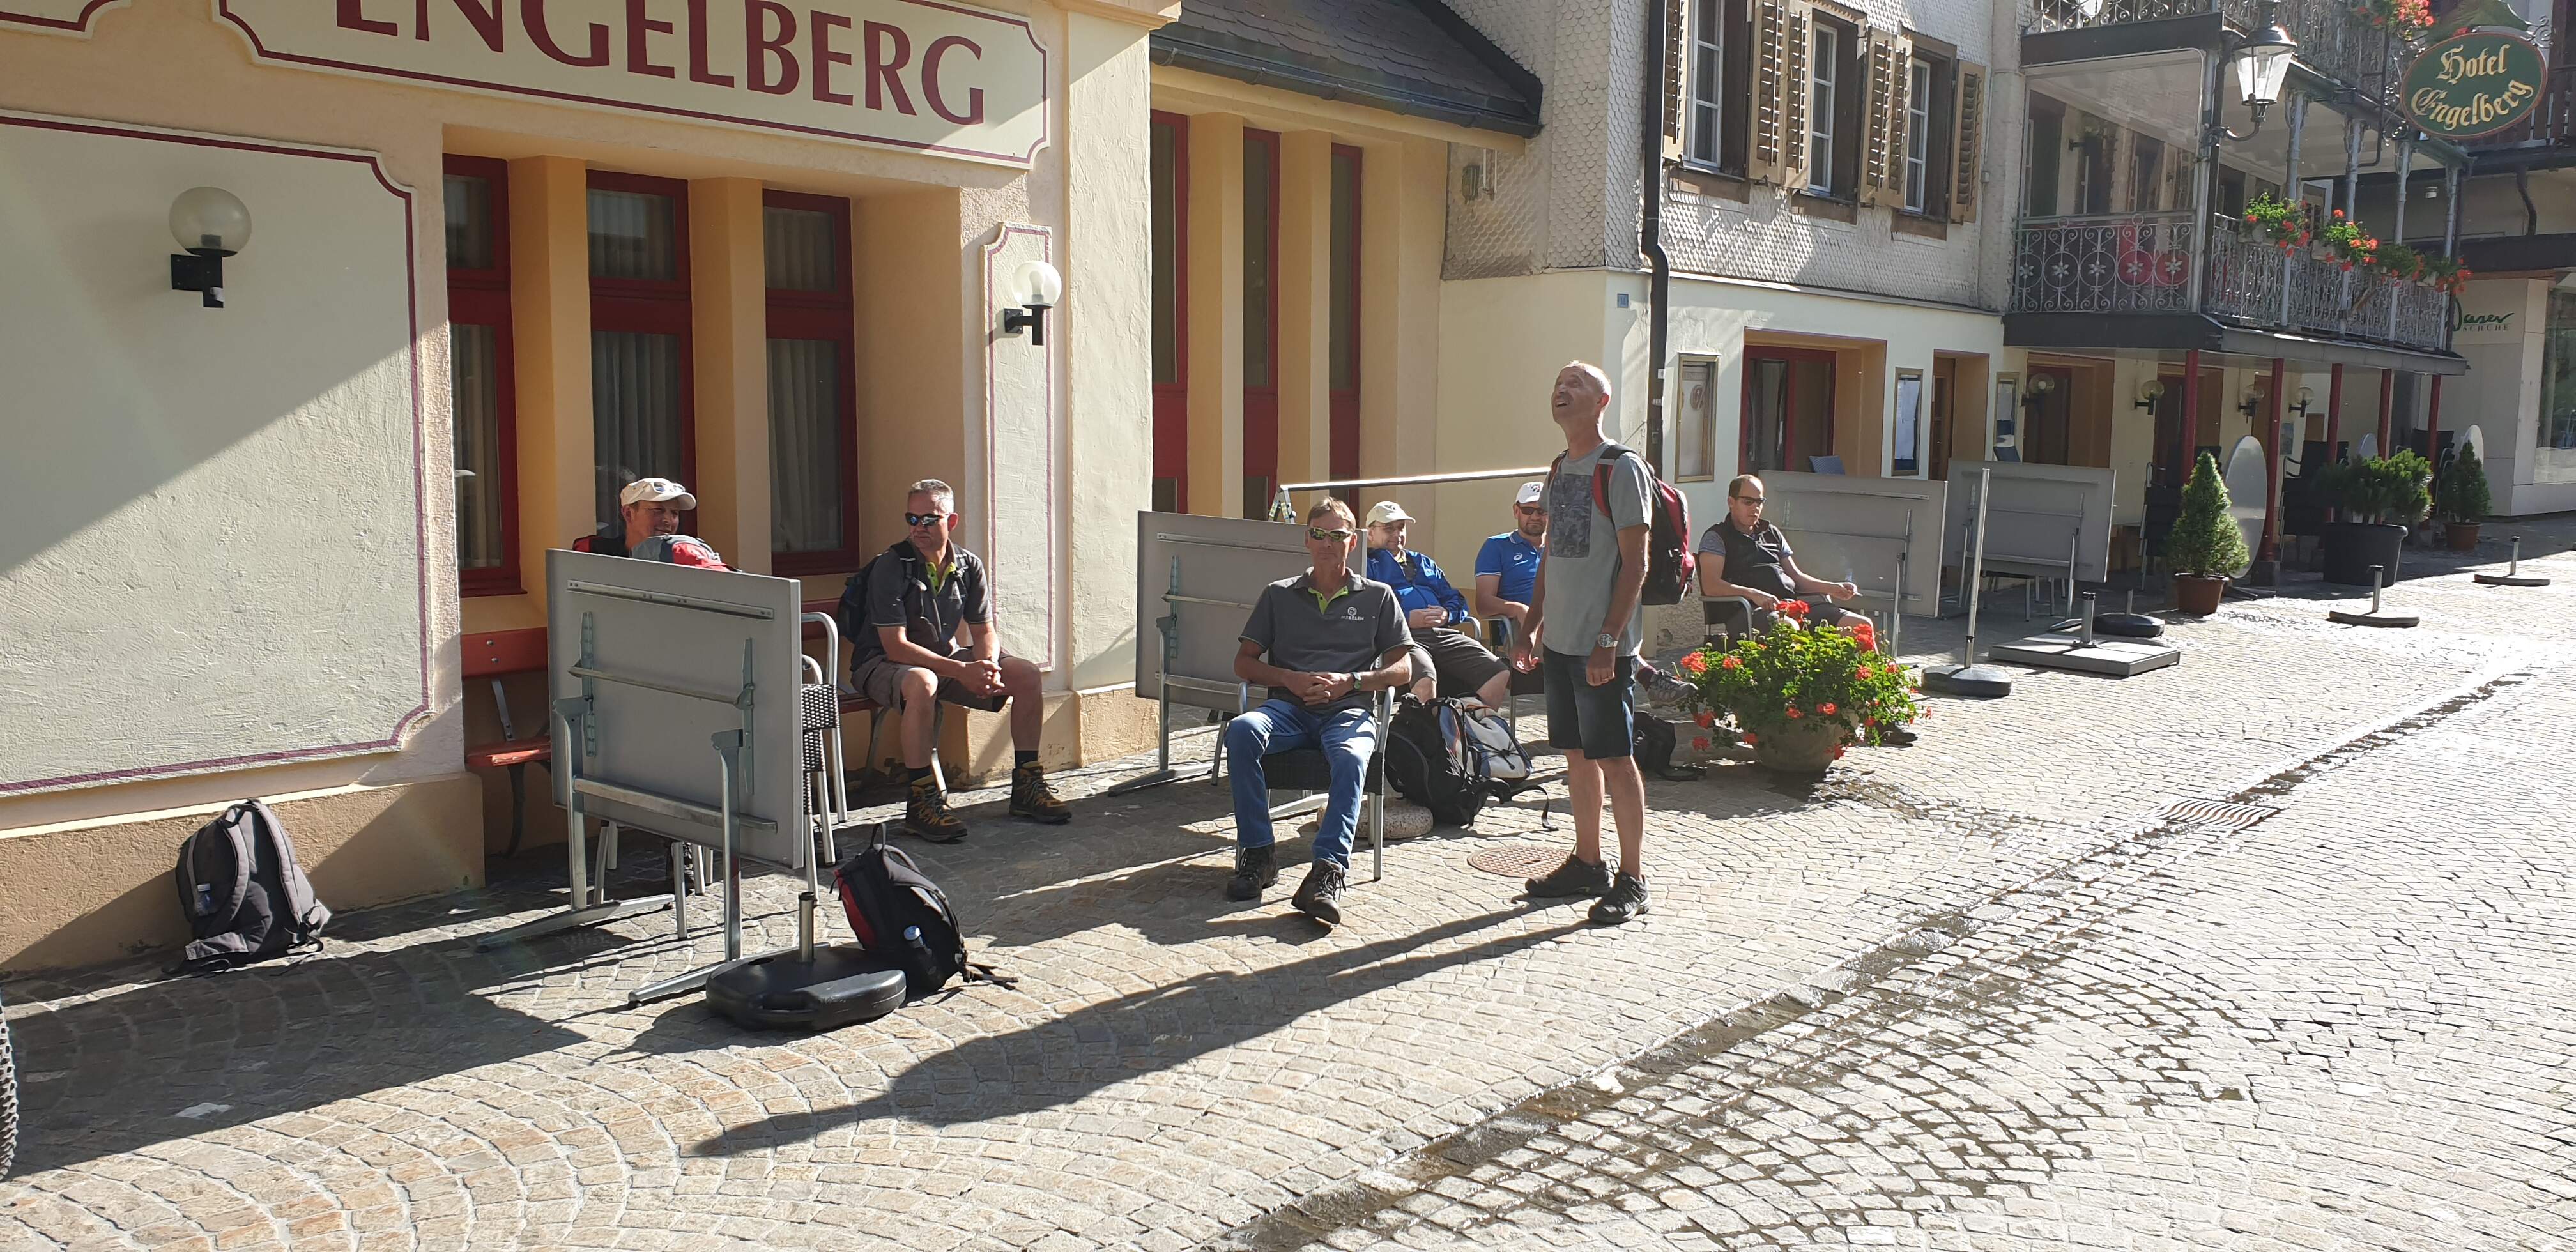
(1507, 566)
(1433, 610)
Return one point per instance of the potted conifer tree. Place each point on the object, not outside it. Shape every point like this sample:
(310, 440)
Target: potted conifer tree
(2460, 497)
(2207, 546)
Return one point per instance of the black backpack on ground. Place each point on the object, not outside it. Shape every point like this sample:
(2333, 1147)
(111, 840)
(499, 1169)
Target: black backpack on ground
(1669, 564)
(245, 897)
(1422, 768)
(900, 914)
(1655, 744)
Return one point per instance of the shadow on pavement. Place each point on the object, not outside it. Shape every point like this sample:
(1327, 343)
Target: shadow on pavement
(1062, 1060)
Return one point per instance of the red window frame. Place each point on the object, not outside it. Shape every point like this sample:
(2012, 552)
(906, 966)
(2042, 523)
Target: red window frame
(1261, 404)
(654, 307)
(1343, 435)
(481, 297)
(1789, 449)
(1172, 399)
(831, 316)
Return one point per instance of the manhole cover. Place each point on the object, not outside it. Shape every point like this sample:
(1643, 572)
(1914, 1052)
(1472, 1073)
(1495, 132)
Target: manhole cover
(1517, 860)
(2217, 814)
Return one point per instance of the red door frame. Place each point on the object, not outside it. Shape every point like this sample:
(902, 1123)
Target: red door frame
(829, 316)
(1261, 404)
(1172, 399)
(656, 308)
(482, 298)
(1788, 405)
(1343, 456)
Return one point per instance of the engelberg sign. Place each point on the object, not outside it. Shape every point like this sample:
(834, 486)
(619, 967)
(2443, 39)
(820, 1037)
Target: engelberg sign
(914, 74)
(2474, 84)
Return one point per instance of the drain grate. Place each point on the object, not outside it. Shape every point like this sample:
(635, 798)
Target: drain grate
(1517, 860)
(2214, 814)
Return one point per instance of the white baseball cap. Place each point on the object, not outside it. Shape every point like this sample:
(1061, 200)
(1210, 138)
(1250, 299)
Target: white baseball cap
(1385, 511)
(1531, 493)
(656, 491)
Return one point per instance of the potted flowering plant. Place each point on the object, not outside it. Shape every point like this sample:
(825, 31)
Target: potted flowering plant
(2398, 262)
(1800, 696)
(2406, 19)
(2284, 223)
(2446, 274)
(2344, 242)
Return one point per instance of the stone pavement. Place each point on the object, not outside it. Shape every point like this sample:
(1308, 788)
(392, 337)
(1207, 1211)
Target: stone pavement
(1172, 1068)
(2339, 1018)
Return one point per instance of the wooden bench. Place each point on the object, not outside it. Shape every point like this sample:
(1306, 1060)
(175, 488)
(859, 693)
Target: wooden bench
(496, 655)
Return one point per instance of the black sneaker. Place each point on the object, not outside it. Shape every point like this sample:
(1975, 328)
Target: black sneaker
(1320, 896)
(1625, 902)
(1255, 871)
(1577, 877)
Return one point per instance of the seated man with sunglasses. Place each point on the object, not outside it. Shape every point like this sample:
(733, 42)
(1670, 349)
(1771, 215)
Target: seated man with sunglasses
(903, 615)
(1744, 555)
(1320, 641)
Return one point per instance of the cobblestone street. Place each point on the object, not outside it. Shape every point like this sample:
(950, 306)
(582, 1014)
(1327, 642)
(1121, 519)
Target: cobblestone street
(1990, 991)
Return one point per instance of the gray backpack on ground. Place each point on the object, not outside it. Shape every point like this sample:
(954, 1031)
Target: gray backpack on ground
(243, 894)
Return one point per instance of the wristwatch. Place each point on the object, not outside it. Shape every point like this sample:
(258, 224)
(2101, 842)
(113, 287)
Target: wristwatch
(1605, 640)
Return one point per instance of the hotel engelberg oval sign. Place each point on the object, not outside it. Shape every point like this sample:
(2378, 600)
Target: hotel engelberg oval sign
(2474, 84)
(922, 75)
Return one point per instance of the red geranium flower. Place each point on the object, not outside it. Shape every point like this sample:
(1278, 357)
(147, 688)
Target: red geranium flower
(1695, 663)
(1827, 708)
(1699, 744)
(1707, 720)
(1730, 663)
(1793, 608)
(1794, 713)
(1746, 736)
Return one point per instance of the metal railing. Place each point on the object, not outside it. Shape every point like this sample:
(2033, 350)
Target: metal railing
(2142, 263)
(2552, 122)
(2333, 38)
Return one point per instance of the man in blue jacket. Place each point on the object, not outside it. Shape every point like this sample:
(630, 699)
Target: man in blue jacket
(1433, 610)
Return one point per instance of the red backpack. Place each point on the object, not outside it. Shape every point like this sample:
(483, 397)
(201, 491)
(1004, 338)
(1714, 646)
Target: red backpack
(1670, 567)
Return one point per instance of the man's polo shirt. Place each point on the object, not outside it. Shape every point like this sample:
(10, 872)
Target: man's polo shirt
(1340, 632)
(1511, 555)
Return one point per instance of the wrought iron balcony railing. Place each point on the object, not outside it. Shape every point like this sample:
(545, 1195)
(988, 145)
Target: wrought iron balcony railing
(2552, 122)
(2142, 263)
(2334, 38)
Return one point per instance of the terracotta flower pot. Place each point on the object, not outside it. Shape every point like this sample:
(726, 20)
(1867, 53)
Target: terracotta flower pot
(2463, 535)
(1804, 746)
(2196, 595)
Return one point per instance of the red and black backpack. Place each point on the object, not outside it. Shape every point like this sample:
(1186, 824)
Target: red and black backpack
(1670, 567)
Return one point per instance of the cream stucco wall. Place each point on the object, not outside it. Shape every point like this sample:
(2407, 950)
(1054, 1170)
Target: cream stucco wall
(917, 223)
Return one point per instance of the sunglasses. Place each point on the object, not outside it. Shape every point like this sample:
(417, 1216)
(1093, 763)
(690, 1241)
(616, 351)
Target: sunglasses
(1755, 501)
(1532, 510)
(926, 519)
(1320, 535)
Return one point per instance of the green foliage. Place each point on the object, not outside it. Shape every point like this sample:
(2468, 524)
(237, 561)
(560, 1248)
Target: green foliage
(2382, 489)
(1787, 674)
(2463, 493)
(2206, 540)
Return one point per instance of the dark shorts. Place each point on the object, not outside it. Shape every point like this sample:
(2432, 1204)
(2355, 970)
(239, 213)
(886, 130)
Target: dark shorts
(1462, 664)
(880, 680)
(1595, 721)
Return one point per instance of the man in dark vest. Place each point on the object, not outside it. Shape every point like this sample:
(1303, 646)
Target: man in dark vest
(903, 615)
(1743, 555)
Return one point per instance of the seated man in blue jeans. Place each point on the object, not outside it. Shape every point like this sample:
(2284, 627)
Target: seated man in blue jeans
(1329, 636)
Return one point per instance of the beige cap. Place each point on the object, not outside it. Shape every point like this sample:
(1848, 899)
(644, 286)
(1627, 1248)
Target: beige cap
(657, 491)
(1387, 511)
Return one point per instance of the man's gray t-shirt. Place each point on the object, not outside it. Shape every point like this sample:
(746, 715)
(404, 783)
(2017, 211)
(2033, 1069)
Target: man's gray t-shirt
(1344, 633)
(1583, 551)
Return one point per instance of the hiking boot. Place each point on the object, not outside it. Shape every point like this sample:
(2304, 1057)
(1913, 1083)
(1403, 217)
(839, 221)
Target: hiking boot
(1255, 870)
(925, 813)
(1577, 877)
(1320, 896)
(1626, 901)
(1033, 799)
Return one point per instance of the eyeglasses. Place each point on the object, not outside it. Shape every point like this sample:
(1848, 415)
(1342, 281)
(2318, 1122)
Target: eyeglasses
(1321, 535)
(926, 519)
(1755, 501)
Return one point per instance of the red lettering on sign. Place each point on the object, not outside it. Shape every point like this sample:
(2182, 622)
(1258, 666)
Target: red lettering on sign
(486, 21)
(760, 45)
(819, 24)
(974, 114)
(888, 51)
(352, 19)
(698, 70)
(638, 59)
(533, 13)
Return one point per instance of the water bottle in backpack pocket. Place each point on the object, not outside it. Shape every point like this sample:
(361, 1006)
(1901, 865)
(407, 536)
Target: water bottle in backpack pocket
(898, 913)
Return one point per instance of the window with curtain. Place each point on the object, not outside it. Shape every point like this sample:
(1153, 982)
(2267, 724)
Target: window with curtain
(480, 403)
(1695, 445)
(813, 474)
(639, 335)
